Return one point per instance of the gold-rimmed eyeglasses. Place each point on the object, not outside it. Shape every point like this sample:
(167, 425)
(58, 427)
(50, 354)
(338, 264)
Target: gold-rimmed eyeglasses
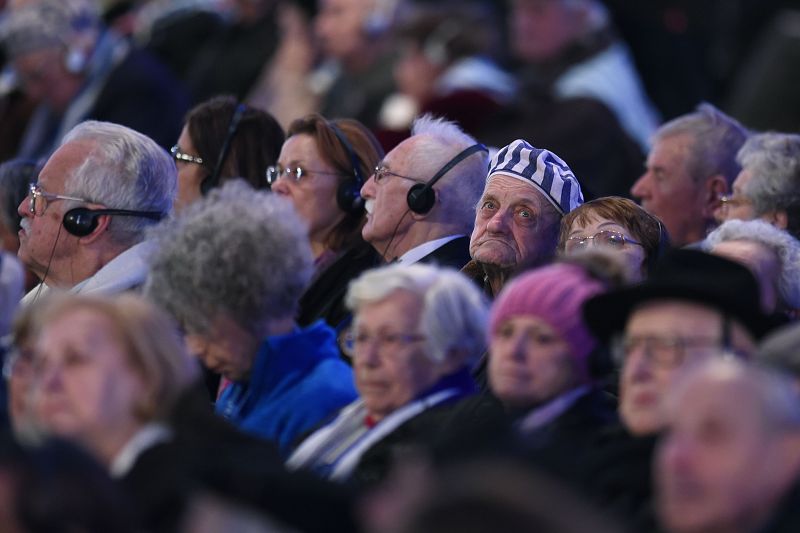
(381, 172)
(607, 238)
(39, 199)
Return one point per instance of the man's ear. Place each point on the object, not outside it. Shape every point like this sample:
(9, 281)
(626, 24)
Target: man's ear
(777, 218)
(716, 186)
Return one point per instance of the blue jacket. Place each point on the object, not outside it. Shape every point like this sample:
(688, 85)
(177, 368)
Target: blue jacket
(297, 381)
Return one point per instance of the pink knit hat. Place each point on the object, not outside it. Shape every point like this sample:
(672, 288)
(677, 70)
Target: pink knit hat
(554, 294)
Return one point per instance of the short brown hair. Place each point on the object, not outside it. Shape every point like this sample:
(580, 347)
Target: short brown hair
(644, 227)
(255, 145)
(367, 151)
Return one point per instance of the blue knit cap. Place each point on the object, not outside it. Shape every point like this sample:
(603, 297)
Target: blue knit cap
(542, 169)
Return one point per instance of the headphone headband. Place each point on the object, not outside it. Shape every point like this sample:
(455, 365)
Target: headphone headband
(211, 181)
(348, 194)
(82, 221)
(420, 197)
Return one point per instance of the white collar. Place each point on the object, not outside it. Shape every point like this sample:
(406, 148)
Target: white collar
(544, 414)
(418, 252)
(147, 437)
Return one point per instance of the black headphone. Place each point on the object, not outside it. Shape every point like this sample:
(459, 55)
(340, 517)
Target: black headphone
(82, 221)
(421, 196)
(348, 193)
(211, 181)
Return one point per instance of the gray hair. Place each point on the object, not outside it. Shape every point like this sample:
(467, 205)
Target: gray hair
(779, 350)
(124, 170)
(786, 247)
(454, 312)
(237, 252)
(716, 138)
(774, 161)
(462, 185)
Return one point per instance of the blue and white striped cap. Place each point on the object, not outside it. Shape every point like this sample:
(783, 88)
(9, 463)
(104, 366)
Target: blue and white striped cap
(542, 169)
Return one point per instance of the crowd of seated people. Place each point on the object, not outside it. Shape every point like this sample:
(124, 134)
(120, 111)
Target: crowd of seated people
(529, 305)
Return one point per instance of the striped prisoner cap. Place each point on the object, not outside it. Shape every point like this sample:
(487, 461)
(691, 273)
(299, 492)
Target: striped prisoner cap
(542, 169)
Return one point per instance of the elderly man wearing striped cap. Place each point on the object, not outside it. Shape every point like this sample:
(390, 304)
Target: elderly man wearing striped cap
(517, 219)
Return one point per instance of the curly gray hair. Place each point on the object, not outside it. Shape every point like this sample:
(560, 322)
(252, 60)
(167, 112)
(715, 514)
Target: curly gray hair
(786, 247)
(454, 312)
(124, 170)
(238, 252)
(716, 138)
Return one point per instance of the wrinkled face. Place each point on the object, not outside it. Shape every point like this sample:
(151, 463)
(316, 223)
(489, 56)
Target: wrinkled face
(530, 363)
(762, 261)
(632, 255)
(85, 386)
(514, 225)
(42, 240)
(705, 466)
(391, 367)
(314, 195)
(190, 174)
(668, 191)
(339, 27)
(663, 336)
(45, 79)
(739, 206)
(541, 29)
(388, 216)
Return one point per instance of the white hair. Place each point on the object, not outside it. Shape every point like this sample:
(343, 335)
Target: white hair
(123, 170)
(786, 247)
(463, 185)
(454, 311)
(774, 161)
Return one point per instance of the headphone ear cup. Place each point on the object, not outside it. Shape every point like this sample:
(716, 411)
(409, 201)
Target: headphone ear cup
(421, 198)
(348, 196)
(79, 221)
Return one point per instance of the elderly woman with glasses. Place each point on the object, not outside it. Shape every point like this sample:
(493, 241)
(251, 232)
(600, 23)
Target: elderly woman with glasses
(416, 331)
(321, 168)
(231, 269)
(222, 140)
(619, 225)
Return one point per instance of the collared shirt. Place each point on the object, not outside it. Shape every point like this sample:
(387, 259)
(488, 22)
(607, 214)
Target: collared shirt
(418, 252)
(548, 412)
(142, 440)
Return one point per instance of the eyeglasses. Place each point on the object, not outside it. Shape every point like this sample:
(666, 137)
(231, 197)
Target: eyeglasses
(608, 238)
(381, 172)
(387, 342)
(39, 199)
(663, 351)
(275, 172)
(177, 155)
(732, 200)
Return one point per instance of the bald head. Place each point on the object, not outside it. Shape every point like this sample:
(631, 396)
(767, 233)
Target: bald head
(723, 417)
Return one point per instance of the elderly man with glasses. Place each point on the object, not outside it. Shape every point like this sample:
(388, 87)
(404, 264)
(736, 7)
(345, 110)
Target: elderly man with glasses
(420, 199)
(693, 307)
(83, 222)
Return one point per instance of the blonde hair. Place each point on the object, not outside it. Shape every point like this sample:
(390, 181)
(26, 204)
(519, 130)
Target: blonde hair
(148, 336)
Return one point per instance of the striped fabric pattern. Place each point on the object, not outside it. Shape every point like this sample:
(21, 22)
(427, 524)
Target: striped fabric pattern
(541, 168)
